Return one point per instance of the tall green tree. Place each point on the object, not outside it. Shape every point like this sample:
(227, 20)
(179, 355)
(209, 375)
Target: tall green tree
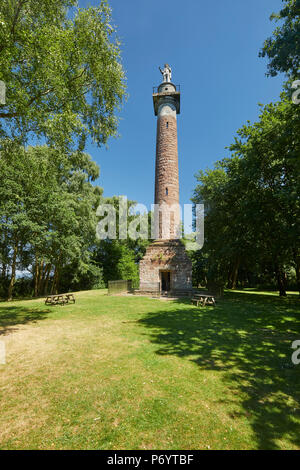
(252, 199)
(47, 213)
(62, 70)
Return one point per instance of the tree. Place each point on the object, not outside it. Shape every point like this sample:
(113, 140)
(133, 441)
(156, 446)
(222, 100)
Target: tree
(61, 66)
(47, 213)
(252, 200)
(119, 257)
(252, 228)
(117, 261)
(271, 166)
(283, 47)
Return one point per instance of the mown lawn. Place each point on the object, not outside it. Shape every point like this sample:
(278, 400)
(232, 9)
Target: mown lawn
(139, 373)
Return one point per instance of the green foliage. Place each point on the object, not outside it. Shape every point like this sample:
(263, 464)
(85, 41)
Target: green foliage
(47, 211)
(252, 199)
(126, 265)
(62, 71)
(64, 83)
(117, 261)
(119, 258)
(283, 48)
(48, 224)
(81, 276)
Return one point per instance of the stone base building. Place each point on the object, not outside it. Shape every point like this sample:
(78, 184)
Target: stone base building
(166, 267)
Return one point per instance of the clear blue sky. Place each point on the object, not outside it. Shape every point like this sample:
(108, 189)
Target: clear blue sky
(212, 47)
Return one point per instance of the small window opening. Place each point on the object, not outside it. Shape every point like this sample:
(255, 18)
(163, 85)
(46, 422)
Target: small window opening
(167, 124)
(167, 191)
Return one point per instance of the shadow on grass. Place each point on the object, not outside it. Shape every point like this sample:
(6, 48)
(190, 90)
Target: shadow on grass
(11, 317)
(249, 340)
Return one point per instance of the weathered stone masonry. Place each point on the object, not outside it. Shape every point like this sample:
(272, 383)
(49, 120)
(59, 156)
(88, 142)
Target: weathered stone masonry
(170, 256)
(166, 263)
(166, 161)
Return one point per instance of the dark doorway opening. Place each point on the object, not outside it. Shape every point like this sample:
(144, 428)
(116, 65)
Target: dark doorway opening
(165, 280)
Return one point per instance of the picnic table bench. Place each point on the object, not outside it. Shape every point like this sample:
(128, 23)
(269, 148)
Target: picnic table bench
(59, 299)
(203, 299)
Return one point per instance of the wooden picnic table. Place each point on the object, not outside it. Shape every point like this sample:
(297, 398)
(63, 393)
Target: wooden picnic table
(59, 299)
(203, 299)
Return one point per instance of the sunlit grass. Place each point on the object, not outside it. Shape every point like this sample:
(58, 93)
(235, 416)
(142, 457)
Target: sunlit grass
(139, 373)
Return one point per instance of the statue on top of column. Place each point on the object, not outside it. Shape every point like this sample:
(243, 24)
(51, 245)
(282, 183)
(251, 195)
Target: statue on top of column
(166, 73)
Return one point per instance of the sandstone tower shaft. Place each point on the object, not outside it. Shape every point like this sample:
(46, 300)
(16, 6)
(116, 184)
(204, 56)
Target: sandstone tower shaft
(166, 107)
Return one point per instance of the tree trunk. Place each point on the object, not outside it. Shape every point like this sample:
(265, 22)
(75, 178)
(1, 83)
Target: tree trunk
(55, 281)
(229, 280)
(234, 274)
(36, 276)
(4, 271)
(296, 254)
(5, 245)
(40, 277)
(45, 279)
(281, 280)
(13, 272)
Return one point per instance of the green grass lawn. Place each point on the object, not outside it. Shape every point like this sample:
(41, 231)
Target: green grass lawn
(140, 373)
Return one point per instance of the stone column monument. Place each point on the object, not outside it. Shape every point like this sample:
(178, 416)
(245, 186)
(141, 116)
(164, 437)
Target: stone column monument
(166, 266)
